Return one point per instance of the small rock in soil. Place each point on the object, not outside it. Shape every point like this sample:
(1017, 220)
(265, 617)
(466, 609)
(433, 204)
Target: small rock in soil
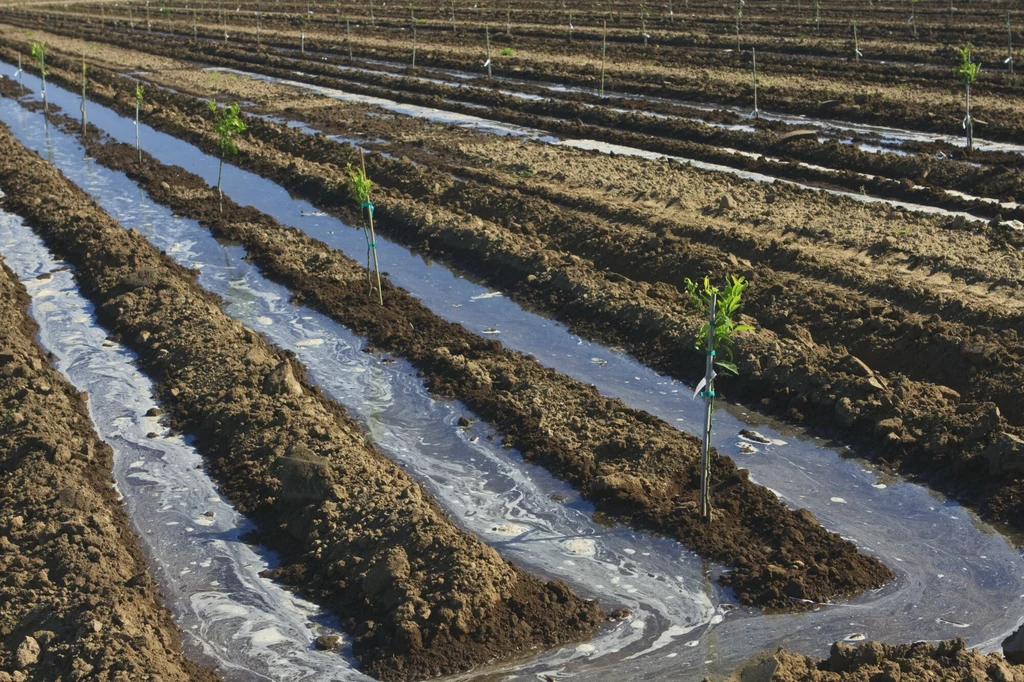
(328, 642)
(754, 436)
(27, 654)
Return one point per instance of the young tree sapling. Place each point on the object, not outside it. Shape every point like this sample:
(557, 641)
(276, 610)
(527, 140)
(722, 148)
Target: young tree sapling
(967, 73)
(39, 53)
(138, 107)
(227, 124)
(604, 52)
(361, 187)
(85, 83)
(715, 337)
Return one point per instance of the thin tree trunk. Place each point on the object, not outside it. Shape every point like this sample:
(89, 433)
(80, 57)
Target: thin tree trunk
(487, 34)
(709, 402)
(753, 58)
(604, 51)
(220, 178)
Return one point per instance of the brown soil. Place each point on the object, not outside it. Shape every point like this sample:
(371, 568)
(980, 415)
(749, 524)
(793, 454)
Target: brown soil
(920, 178)
(948, 661)
(686, 60)
(924, 375)
(76, 601)
(419, 597)
(634, 466)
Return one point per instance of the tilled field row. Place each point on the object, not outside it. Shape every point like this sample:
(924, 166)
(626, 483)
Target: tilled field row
(419, 596)
(634, 466)
(921, 425)
(724, 80)
(922, 179)
(883, 34)
(78, 602)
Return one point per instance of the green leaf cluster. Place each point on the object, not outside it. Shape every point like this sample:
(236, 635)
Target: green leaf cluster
(138, 93)
(968, 70)
(227, 124)
(727, 305)
(39, 54)
(359, 186)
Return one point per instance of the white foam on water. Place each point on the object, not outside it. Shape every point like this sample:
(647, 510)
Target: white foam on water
(485, 486)
(158, 478)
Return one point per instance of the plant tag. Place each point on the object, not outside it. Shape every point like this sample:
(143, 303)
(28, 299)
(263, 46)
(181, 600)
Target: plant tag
(700, 387)
(487, 63)
(703, 384)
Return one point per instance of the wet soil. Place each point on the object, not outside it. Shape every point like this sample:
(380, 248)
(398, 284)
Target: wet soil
(632, 465)
(949, 661)
(923, 372)
(798, 86)
(834, 163)
(77, 600)
(419, 597)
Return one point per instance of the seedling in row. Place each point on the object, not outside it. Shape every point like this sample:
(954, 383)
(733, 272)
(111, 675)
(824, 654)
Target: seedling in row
(716, 338)
(967, 73)
(139, 91)
(85, 83)
(39, 54)
(1009, 44)
(361, 188)
(739, 22)
(604, 54)
(487, 37)
(227, 124)
(644, 16)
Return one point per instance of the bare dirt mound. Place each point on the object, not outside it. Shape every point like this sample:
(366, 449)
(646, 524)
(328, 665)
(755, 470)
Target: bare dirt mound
(419, 596)
(631, 464)
(949, 661)
(76, 601)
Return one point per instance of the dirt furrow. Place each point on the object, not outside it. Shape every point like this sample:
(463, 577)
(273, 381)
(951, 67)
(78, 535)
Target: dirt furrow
(632, 465)
(949, 661)
(917, 426)
(819, 95)
(699, 39)
(965, 448)
(77, 600)
(920, 180)
(419, 597)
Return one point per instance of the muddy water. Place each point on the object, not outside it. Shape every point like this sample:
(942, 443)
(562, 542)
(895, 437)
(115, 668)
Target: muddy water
(244, 625)
(957, 577)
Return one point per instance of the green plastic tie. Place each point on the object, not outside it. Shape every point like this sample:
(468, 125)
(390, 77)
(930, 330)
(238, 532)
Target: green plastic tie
(369, 205)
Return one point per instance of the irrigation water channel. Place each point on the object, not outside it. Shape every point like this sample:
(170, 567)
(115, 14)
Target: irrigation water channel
(886, 135)
(956, 575)
(497, 128)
